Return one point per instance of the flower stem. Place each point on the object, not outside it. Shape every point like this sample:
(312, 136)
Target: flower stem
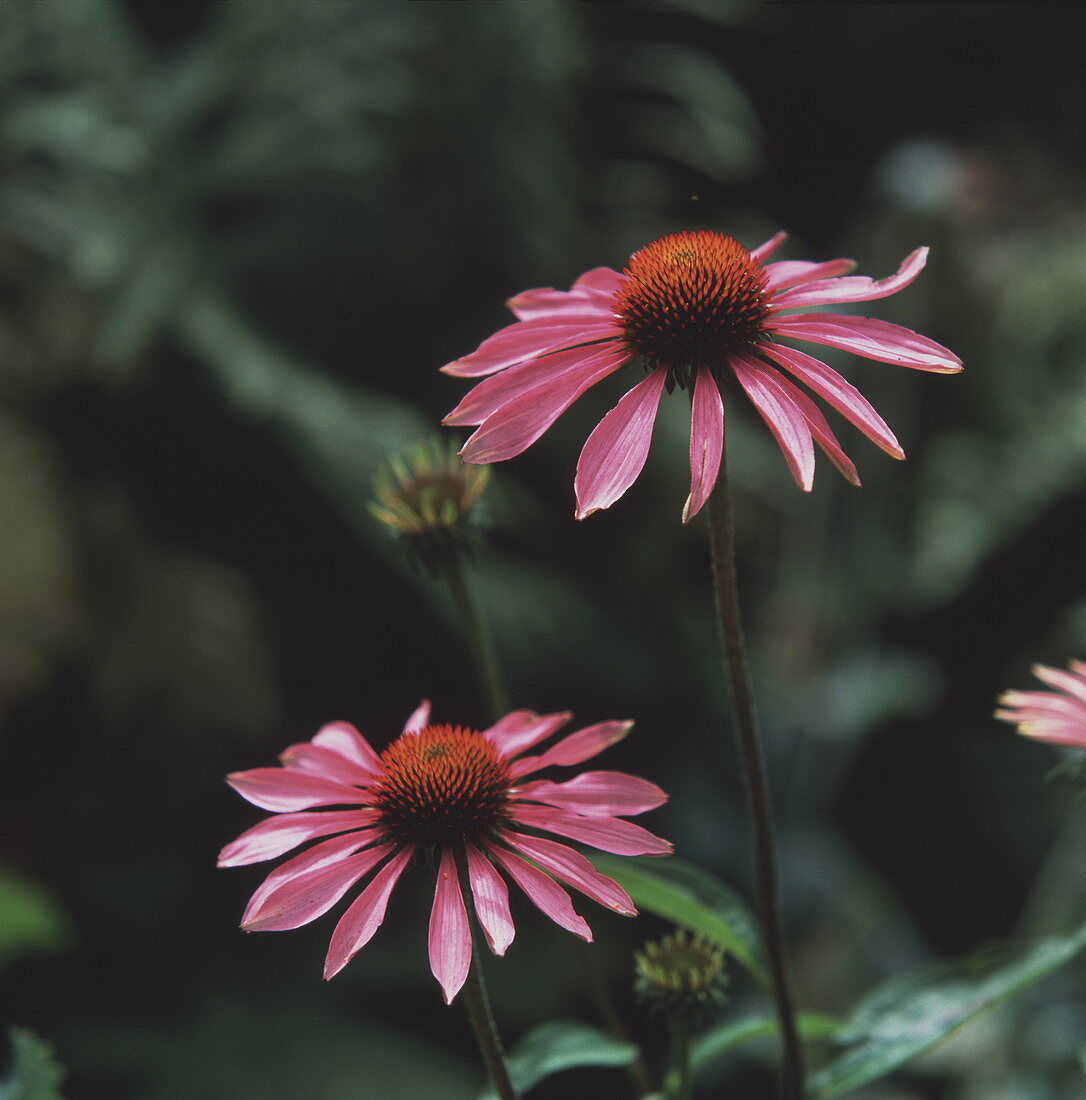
(680, 1058)
(726, 593)
(480, 640)
(486, 1033)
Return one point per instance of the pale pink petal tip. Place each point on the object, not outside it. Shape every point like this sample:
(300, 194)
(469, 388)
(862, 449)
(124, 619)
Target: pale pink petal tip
(419, 718)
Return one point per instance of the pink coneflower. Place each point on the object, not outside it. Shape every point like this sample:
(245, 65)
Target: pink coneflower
(691, 310)
(441, 795)
(1059, 716)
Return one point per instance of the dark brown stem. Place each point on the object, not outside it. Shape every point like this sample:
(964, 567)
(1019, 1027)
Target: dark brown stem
(486, 1033)
(726, 593)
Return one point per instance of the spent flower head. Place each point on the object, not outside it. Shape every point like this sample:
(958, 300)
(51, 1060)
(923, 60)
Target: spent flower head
(682, 975)
(442, 795)
(699, 311)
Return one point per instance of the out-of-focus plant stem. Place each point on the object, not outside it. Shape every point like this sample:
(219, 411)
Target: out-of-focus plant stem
(729, 622)
(486, 1033)
(680, 1057)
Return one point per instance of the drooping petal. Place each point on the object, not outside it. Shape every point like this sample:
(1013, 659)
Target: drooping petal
(597, 794)
(343, 738)
(419, 719)
(358, 925)
(788, 273)
(839, 394)
(609, 834)
(767, 248)
(521, 729)
(324, 762)
(574, 749)
(450, 936)
(328, 853)
(615, 452)
(872, 339)
(572, 868)
(284, 790)
(517, 425)
(303, 898)
(783, 418)
(1063, 681)
(706, 441)
(523, 340)
(491, 897)
(275, 836)
(855, 288)
(544, 893)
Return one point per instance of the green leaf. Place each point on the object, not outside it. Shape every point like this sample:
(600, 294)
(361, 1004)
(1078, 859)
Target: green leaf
(912, 1013)
(710, 1046)
(692, 899)
(33, 1075)
(29, 920)
(553, 1047)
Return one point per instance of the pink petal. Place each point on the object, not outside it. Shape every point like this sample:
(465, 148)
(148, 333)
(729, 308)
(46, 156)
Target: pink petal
(491, 897)
(283, 790)
(574, 749)
(306, 897)
(522, 729)
(518, 424)
(597, 286)
(783, 418)
(324, 762)
(572, 868)
(837, 393)
(767, 248)
(872, 339)
(450, 936)
(1065, 681)
(616, 450)
(1044, 703)
(597, 794)
(530, 339)
(419, 719)
(1055, 733)
(789, 273)
(706, 441)
(358, 925)
(343, 738)
(858, 288)
(543, 374)
(547, 896)
(609, 834)
(328, 853)
(278, 835)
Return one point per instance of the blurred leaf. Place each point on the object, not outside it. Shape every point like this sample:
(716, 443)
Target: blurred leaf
(34, 1075)
(553, 1047)
(29, 920)
(913, 1012)
(692, 899)
(710, 1046)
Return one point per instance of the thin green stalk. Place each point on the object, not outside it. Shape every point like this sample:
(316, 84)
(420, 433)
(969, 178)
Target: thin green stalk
(729, 622)
(480, 640)
(486, 1033)
(680, 1058)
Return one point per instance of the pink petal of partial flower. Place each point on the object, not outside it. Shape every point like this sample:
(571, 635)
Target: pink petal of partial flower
(523, 340)
(517, 425)
(767, 248)
(788, 273)
(615, 452)
(1044, 703)
(492, 394)
(839, 394)
(598, 286)
(870, 338)
(491, 897)
(305, 897)
(857, 288)
(1064, 681)
(450, 936)
(324, 762)
(597, 794)
(420, 718)
(706, 441)
(276, 836)
(544, 893)
(574, 749)
(284, 790)
(343, 738)
(358, 925)
(326, 854)
(521, 729)
(609, 834)
(572, 868)
(782, 417)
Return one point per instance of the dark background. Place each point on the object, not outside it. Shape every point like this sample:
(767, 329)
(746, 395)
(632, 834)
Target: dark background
(236, 242)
